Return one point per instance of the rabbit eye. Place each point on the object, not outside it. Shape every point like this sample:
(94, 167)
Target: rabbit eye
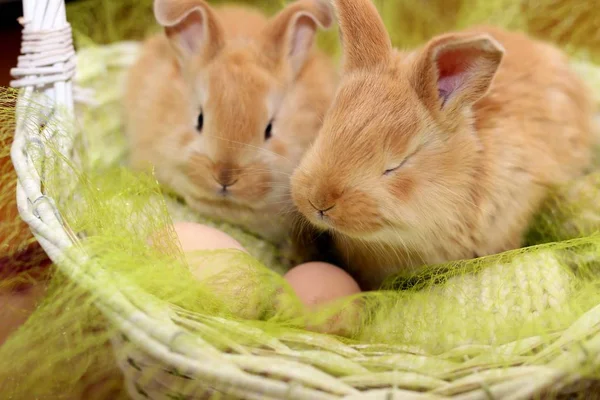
(200, 122)
(389, 171)
(268, 131)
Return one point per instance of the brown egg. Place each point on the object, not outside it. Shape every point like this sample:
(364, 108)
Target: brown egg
(317, 283)
(228, 276)
(194, 237)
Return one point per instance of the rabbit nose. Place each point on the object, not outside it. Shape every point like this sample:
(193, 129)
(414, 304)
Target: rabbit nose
(321, 211)
(226, 177)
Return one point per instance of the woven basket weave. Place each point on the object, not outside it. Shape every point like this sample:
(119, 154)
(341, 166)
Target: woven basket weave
(162, 359)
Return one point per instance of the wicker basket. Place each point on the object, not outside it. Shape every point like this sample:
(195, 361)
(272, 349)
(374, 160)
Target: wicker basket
(162, 360)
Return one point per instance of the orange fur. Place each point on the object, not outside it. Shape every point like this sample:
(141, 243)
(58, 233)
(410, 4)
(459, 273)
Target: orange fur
(472, 129)
(241, 70)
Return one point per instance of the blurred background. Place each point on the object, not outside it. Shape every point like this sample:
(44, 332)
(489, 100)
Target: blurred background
(10, 37)
(20, 252)
(15, 302)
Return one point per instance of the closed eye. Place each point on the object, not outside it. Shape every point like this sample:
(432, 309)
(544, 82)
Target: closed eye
(389, 171)
(397, 167)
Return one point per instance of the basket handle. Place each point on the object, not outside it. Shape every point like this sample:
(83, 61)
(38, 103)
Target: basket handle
(44, 73)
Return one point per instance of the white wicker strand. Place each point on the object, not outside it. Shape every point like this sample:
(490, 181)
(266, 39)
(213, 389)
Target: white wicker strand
(36, 18)
(41, 217)
(53, 14)
(45, 32)
(47, 57)
(241, 384)
(28, 9)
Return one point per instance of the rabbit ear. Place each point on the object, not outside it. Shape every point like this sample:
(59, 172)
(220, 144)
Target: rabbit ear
(191, 26)
(456, 70)
(290, 34)
(365, 40)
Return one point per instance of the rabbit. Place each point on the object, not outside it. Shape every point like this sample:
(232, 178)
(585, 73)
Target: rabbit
(224, 103)
(443, 153)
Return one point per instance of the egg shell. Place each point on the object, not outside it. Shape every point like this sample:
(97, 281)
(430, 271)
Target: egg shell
(345, 322)
(317, 283)
(235, 282)
(195, 237)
